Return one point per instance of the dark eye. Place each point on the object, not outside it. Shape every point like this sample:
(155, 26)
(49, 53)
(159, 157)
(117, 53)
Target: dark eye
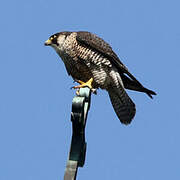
(54, 39)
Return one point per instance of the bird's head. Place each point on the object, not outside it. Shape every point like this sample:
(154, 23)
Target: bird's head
(53, 40)
(56, 41)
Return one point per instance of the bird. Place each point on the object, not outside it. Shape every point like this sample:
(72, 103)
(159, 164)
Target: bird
(92, 63)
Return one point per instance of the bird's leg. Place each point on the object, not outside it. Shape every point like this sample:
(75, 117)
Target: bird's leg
(85, 84)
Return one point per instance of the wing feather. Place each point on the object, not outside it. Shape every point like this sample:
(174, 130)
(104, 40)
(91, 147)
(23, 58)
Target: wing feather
(96, 43)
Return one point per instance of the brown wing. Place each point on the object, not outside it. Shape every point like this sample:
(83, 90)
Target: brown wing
(98, 44)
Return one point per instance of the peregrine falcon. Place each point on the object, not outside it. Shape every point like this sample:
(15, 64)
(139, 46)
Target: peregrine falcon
(92, 62)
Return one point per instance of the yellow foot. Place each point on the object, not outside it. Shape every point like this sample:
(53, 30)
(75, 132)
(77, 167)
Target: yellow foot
(85, 84)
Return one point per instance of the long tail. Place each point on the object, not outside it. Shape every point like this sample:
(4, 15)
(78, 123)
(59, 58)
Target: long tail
(122, 104)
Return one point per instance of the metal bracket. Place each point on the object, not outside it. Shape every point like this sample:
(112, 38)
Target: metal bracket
(77, 154)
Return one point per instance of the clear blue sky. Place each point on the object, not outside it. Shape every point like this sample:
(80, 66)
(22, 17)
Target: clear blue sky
(35, 95)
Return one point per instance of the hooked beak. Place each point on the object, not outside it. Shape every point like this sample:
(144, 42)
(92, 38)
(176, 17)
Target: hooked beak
(48, 42)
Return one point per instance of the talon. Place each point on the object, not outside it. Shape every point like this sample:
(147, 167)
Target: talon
(84, 84)
(94, 91)
(77, 92)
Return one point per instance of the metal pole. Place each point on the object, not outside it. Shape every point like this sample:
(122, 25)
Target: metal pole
(77, 154)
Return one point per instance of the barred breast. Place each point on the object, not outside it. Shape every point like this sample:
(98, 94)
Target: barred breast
(96, 65)
(83, 63)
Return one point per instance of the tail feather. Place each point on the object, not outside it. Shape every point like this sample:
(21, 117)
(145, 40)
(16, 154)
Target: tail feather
(122, 104)
(148, 92)
(133, 85)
